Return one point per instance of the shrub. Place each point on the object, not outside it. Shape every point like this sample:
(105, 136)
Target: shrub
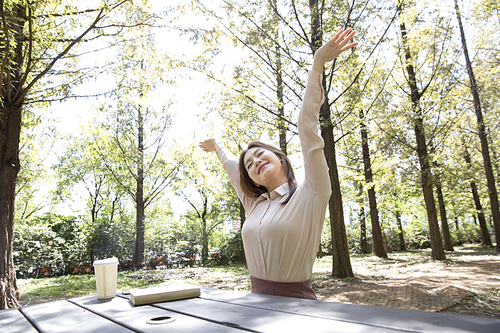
(104, 240)
(83, 268)
(48, 246)
(229, 253)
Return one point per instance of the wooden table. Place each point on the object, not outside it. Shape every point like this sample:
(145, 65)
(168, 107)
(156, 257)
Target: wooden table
(230, 311)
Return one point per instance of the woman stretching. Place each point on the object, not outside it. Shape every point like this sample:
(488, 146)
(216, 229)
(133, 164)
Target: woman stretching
(282, 231)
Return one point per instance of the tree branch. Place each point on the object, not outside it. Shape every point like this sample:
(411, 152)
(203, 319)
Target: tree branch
(21, 93)
(247, 97)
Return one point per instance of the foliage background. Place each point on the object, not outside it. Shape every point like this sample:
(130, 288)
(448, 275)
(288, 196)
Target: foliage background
(210, 73)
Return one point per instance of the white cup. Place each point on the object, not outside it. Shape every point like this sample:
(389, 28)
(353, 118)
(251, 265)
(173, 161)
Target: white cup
(106, 272)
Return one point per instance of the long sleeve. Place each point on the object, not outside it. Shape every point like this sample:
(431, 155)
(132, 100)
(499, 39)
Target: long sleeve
(230, 165)
(317, 179)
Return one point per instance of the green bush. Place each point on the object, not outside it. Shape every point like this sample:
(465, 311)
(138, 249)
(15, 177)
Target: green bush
(57, 245)
(104, 240)
(467, 232)
(47, 246)
(231, 251)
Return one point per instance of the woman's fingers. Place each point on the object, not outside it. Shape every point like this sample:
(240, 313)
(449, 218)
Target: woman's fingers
(341, 38)
(337, 35)
(344, 39)
(207, 145)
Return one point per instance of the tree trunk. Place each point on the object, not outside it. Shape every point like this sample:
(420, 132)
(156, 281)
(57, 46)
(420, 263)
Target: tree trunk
(204, 232)
(457, 230)
(242, 220)
(423, 156)
(279, 81)
(402, 244)
(492, 190)
(340, 251)
(139, 197)
(448, 245)
(10, 130)
(485, 235)
(378, 241)
(363, 241)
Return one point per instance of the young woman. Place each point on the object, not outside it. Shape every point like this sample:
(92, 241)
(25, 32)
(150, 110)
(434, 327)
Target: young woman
(282, 231)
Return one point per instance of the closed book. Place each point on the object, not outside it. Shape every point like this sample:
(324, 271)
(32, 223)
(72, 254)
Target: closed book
(163, 293)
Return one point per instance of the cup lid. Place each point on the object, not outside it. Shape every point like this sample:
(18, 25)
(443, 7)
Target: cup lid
(106, 262)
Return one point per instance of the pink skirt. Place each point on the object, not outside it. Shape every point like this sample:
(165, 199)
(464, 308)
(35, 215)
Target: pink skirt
(288, 289)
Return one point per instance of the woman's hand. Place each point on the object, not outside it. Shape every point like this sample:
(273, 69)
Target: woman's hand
(207, 145)
(333, 48)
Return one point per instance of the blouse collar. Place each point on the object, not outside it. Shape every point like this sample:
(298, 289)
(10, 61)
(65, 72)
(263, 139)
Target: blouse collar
(280, 192)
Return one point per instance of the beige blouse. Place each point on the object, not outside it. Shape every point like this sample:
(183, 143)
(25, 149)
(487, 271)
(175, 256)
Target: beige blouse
(281, 242)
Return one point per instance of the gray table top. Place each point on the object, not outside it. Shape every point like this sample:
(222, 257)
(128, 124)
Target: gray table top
(230, 311)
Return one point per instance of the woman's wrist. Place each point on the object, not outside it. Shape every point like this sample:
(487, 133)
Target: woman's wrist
(318, 66)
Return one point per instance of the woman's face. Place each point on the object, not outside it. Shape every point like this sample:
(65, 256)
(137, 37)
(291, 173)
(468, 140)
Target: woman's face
(264, 168)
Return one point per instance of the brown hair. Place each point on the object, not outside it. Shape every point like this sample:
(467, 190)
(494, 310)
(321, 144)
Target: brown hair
(247, 184)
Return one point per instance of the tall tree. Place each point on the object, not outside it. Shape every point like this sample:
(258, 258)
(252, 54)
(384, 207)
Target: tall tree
(139, 124)
(341, 261)
(378, 241)
(35, 36)
(485, 235)
(201, 188)
(448, 245)
(363, 241)
(422, 152)
(135, 156)
(80, 164)
(492, 191)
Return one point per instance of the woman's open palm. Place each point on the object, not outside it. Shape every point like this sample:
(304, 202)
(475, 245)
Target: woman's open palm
(207, 145)
(335, 46)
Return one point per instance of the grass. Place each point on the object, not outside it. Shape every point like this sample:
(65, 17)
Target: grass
(63, 287)
(70, 286)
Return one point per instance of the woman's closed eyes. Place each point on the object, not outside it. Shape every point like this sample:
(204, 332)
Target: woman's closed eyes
(259, 153)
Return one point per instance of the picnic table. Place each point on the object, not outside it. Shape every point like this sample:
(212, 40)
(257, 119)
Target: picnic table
(230, 311)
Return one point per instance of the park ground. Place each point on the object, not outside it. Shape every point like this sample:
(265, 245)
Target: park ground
(467, 283)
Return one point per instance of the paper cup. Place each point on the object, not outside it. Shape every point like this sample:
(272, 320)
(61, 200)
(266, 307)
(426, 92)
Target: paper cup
(106, 272)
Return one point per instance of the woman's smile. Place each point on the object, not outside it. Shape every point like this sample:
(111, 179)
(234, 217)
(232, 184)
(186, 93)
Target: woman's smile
(261, 167)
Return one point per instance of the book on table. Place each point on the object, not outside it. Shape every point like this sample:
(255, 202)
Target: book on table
(169, 292)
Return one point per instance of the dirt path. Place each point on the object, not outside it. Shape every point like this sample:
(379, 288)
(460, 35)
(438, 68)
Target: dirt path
(421, 285)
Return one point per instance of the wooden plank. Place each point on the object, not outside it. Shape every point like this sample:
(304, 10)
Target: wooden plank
(398, 319)
(63, 316)
(13, 321)
(265, 320)
(121, 310)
